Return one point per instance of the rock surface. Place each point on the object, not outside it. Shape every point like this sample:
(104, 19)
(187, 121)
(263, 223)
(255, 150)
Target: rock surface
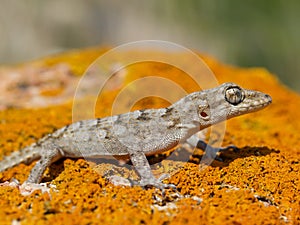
(260, 184)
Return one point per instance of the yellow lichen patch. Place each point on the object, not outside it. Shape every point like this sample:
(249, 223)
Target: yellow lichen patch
(258, 184)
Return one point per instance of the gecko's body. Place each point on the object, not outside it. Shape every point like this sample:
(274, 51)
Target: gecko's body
(140, 133)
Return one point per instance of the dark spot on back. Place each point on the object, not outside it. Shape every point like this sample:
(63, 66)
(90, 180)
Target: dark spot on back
(144, 116)
(98, 121)
(168, 112)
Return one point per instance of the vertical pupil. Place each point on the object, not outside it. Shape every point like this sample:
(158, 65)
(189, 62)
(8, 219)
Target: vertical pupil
(233, 95)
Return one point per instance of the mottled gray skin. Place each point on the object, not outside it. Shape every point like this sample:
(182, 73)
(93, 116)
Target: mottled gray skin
(140, 133)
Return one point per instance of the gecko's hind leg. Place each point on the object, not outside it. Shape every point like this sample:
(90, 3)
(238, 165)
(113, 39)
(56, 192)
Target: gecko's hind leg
(48, 156)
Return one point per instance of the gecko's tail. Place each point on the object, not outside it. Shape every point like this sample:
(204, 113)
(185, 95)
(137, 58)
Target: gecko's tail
(25, 155)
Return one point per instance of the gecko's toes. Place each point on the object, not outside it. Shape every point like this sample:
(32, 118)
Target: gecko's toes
(164, 176)
(157, 183)
(160, 186)
(27, 188)
(171, 186)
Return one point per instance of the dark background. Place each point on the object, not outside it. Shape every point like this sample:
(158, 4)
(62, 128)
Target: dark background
(245, 33)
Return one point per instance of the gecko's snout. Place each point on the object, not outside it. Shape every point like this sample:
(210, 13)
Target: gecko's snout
(269, 98)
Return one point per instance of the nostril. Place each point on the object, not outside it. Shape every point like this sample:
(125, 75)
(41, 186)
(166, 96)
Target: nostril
(268, 97)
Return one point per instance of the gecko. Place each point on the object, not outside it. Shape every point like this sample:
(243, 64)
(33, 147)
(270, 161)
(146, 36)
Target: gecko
(135, 135)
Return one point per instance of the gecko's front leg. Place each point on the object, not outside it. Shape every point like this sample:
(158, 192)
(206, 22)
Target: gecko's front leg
(197, 140)
(143, 169)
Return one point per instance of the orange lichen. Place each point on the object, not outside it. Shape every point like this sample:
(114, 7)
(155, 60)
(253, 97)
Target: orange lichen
(259, 184)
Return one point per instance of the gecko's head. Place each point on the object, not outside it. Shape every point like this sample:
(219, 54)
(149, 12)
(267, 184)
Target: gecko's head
(229, 100)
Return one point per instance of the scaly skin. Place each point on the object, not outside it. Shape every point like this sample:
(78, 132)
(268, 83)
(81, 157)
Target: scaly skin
(138, 134)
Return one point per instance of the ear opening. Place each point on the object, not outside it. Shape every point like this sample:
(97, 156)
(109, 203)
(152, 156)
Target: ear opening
(204, 111)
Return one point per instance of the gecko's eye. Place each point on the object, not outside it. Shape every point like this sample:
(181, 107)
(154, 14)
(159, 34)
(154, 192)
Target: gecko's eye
(234, 95)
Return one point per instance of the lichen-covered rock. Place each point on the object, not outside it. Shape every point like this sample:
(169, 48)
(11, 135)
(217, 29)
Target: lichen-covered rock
(259, 184)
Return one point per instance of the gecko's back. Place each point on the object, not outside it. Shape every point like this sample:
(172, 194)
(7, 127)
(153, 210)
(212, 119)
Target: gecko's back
(113, 136)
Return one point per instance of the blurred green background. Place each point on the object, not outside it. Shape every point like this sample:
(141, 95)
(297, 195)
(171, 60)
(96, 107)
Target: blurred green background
(245, 33)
